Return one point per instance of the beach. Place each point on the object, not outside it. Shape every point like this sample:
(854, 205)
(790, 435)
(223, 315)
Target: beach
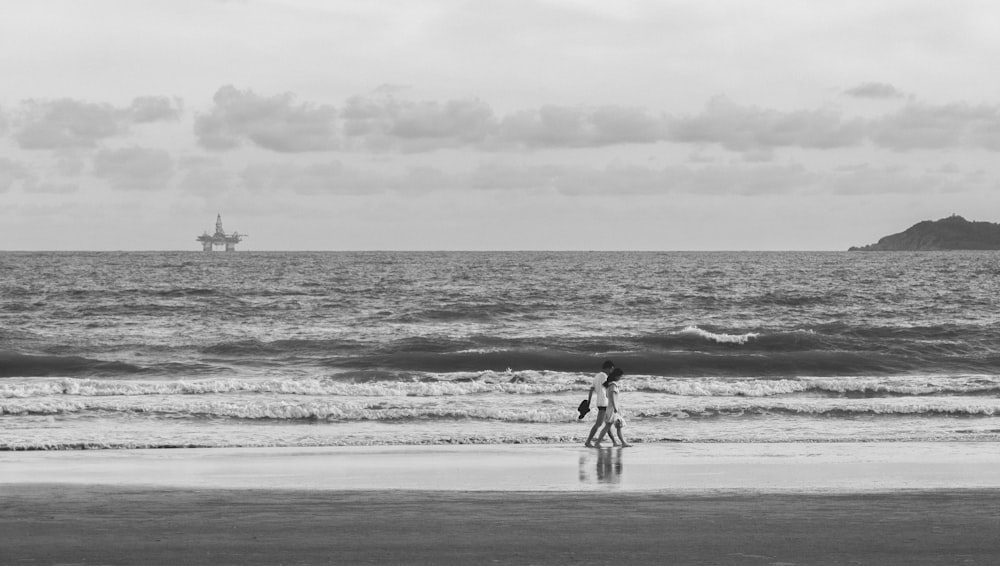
(921, 503)
(44, 524)
(421, 408)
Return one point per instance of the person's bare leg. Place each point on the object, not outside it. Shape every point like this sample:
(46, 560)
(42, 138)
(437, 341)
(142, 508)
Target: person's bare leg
(622, 438)
(594, 429)
(607, 427)
(611, 435)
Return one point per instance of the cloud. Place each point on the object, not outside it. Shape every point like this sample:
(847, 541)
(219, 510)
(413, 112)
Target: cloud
(874, 90)
(11, 171)
(66, 124)
(616, 124)
(560, 126)
(134, 168)
(464, 120)
(924, 126)
(275, 123)
(155, 108)
(749, 128)
(551, 126)
(384, 122)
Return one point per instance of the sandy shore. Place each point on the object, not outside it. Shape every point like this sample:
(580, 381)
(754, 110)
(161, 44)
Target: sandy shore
(745, 504)
(43, 524)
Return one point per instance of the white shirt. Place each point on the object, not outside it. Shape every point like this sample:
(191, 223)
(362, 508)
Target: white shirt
(600, 395)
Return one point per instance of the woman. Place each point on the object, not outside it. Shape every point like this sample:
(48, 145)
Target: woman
(614, 412)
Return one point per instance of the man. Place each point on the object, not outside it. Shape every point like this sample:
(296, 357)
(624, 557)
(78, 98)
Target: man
(597, 387)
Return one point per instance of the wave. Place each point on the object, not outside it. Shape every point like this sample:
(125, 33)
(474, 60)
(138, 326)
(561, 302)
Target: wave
(847, 387)
(561, 410)
(721, 338)
(346, 384)
(793, 299)
(524, 383)
(829, 337)
(461, 311)
(735, 363)
(14, 364)
(282, 409)
(692, 351)
(921, 407)
(252, 348)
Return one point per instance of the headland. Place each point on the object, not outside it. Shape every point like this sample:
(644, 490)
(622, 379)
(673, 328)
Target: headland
(952, 233)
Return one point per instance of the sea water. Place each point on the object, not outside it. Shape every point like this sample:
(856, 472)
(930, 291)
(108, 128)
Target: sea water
(250, 349)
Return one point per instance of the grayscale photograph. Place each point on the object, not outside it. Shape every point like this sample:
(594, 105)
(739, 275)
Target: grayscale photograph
(547, 282)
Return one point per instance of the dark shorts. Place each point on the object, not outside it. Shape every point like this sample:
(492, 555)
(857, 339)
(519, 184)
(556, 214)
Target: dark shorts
(602, 408)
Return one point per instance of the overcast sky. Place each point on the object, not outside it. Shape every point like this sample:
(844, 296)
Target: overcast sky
(494, 124)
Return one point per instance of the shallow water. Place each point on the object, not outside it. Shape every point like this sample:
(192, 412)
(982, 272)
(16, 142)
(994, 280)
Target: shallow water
(678, 468)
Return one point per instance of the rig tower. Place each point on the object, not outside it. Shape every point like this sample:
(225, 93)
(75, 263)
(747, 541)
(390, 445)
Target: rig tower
(220, 238)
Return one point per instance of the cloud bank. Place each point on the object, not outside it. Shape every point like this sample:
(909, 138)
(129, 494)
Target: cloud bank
(383, 123)
(874, 90)
(74, 124)
(275, 122)
(322, 149)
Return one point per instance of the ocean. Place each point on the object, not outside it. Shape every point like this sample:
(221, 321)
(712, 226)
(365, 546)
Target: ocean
(195, 349)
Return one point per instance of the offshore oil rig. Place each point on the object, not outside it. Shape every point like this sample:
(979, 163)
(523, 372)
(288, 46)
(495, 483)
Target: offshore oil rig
(220, 238)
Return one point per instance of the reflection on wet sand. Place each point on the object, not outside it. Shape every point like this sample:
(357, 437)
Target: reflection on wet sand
(601, 466)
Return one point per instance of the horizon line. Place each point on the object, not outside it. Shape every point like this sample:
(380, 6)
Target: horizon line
(491, 250)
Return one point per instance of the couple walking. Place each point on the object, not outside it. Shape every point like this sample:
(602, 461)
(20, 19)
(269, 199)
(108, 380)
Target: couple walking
(609, 413)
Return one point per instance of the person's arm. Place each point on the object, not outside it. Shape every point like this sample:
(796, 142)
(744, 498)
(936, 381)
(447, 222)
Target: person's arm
(590, 396)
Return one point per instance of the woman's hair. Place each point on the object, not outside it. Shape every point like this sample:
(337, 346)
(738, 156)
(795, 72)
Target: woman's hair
(615, 375)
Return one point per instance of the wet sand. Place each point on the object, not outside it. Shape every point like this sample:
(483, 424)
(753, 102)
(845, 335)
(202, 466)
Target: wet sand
(43, 524)
(675, 467)
(768, 505)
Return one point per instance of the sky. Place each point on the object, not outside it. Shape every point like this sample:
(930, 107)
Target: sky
(494, 124)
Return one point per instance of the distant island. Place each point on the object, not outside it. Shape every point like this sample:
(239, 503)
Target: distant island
(952, 233)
